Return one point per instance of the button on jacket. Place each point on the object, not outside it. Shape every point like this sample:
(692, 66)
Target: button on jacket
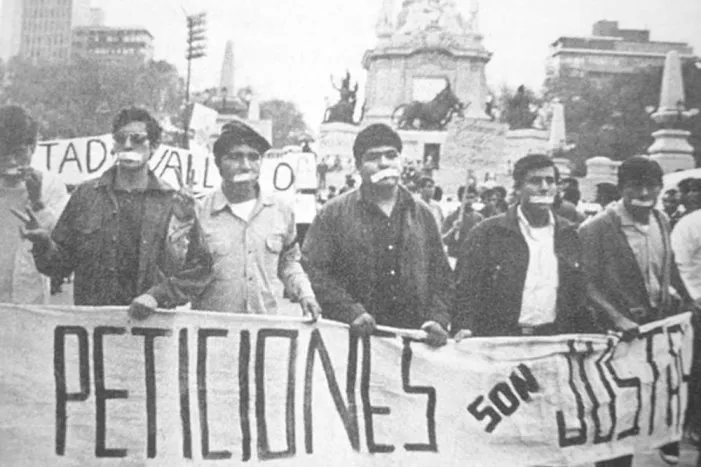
(249, 254)
(173, 262)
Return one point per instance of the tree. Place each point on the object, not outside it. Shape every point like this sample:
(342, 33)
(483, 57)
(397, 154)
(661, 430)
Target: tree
(80, 98)
(288, 121)
(609, 117)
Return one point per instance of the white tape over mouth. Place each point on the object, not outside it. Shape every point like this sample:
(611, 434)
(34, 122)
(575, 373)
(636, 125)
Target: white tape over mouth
(13, 172)
(244, 177)
(129, 156)
(382, 174)
(541, 199)
(642, 204)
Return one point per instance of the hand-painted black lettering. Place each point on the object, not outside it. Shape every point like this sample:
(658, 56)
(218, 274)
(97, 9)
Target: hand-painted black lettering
(606, 357)
(202, 336)
(488, 412)
(102, 394)
(429, 391)
(244, 397)
(580, 436)
(70, 155)
(90, 166)
(650, 358)
(281, 168)
(525, 384)
(177, 166)
(184, 385)
(205, 180)
(368, 409)
(264, 452)
(674, 383)
(584, 377)
(626, 383)
(348, 413)
(48, 147)
(62, 396)
(504, 398)
(150, 335)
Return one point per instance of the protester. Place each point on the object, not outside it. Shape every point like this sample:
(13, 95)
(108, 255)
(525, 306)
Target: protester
(606, 193)
(24, 191)
(670, 204)
(690, 194)
(567, 199)
(490, 199)
(518, 274)
(427, 188)
(130, 238)
(459, 223)
(374, 256)
(350, 184)
(252, 236)
(628, 261)
(500, 202)
(686, 244)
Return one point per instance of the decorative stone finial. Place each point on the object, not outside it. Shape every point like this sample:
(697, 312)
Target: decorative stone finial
(672, 109)
(558, 135)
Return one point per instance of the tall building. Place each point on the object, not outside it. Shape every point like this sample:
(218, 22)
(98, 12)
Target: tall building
(46, 27)
(10, 28)
(611, 51)
(113, 43)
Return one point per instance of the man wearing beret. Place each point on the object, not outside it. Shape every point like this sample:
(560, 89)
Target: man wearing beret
(374, 255)
(628, 262)
(252, 236)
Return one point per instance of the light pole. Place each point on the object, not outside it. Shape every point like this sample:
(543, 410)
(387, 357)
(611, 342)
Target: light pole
(196, 46)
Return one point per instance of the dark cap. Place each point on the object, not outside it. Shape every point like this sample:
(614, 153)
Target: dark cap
(373, 136)
(640, 169)
(236, 133)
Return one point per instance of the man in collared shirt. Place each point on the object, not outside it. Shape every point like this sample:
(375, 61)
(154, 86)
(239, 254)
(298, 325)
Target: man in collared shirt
(427, 188)
(252, 236)
(628, 258)
(374, 255)
(518, 273)
(131, 239)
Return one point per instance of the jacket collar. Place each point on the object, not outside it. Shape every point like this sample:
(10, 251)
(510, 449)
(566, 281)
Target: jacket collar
(107, 180)
(404, 197)
(509, 220)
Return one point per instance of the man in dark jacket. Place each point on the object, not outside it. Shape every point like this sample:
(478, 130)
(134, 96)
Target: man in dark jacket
(374, 255)
(130, 238)
(519, 273)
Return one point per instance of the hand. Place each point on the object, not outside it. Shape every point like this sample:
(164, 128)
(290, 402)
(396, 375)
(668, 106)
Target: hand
(457, 224)
(31, 229)
(310, 307)
(462, 334)
(628, 328)
(436, 336)
(142, 306)
(363, 325)
(32, 180)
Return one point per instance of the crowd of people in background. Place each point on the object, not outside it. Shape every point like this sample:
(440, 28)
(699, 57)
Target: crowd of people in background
(520, 262)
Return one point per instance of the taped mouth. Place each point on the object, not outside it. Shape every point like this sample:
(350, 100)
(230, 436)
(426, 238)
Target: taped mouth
(382, 174)
(541, 199)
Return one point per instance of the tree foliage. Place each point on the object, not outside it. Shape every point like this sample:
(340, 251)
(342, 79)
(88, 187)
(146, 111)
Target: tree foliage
(288, 121)
(80, 98)
(609, 117)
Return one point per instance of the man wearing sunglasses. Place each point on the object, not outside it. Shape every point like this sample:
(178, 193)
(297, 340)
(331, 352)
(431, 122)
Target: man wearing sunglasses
(252, 235)
(519, 273)
(24, 192)
(131, 239)
(374, 255)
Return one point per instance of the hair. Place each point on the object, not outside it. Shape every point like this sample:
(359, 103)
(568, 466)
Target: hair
(136, 114)
(570, 181)
(686, 185)
(639, 169)
(17, 127)
(606, 193)
(438, 193)
(461, 192)
(571, 194)
(424, 181)
(501, 190)
(372, 136)
(671, 191)
(531, 162)
(471, 190)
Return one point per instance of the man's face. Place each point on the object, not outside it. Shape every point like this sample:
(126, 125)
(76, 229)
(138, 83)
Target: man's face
(13, 159)
(132, 147)
(692, 198)
(538, 188)
(380, 166)
(670, 202)
(240, 165)
(470, 199)
(640, 196)
(428, 190)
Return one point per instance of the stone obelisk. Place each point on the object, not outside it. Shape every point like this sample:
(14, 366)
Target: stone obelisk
(226, 80)
(671, 148)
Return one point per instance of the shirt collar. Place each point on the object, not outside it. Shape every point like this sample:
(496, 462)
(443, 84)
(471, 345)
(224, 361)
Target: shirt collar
(154, 183)
(523, 221)
(220, 202)
(404, 198)
(623, 214)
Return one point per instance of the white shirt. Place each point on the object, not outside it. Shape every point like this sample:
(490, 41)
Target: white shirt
(244, 210)
(686, 244)
(540, 287)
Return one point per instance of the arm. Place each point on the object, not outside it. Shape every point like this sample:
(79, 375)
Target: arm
(440, 277)
(290, 270)
(684, 245)
(319, 255)
(593, 262)
(191, 279)
(469, 272)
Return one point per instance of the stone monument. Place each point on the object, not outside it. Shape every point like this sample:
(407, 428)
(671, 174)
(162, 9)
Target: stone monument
(671, 148)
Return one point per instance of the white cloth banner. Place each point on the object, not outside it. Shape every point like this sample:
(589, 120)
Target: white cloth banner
(88, 386)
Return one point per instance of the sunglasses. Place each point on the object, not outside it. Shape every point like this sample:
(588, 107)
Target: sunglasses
(239, 156)
(137, 139)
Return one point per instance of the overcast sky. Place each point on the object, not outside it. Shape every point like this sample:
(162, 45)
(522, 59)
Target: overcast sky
(289, 48)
